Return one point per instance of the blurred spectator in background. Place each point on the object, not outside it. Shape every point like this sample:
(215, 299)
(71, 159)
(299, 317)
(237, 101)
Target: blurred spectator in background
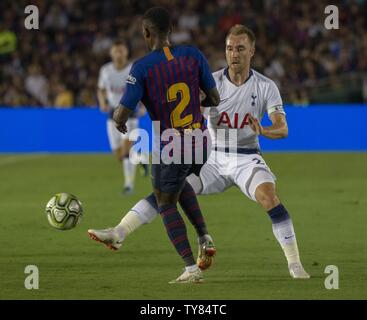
(8, 43)
(64, 97)
(36, 84)
(293, 47)
(56, 18)
(299, 98)
(101, 44)
(86, 98)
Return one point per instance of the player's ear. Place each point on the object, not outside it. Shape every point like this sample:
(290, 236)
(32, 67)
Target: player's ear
(146, 32)
(252, 51)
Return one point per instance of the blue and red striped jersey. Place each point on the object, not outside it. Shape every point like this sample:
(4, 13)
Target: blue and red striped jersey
(168, 82)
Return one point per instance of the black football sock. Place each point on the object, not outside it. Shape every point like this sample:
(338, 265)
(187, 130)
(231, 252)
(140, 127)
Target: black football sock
(177, 233)
(190, 205)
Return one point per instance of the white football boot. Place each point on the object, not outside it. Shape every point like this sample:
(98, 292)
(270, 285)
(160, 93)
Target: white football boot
(297, 272)
(109, 237)
(189, 277)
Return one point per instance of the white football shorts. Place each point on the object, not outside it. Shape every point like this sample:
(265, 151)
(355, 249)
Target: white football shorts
(115, 137)
(224, 170)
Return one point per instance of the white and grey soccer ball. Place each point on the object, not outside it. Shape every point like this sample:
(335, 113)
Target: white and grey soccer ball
(64, 211)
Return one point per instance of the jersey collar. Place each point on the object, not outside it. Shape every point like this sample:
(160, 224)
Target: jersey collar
(229, 79)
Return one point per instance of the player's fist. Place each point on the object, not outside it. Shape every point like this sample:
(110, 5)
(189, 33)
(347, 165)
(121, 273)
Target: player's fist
(121, 127)
(120, 121)
(255, 125)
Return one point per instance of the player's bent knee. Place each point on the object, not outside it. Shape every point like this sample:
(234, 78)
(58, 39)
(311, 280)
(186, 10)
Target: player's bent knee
(266, 196)
(164, 198)
(269, 202)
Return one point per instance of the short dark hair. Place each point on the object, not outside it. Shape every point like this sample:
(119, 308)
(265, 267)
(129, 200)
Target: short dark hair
(160, 19)
(239, 29)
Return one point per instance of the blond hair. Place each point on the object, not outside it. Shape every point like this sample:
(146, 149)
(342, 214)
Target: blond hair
(239, 29)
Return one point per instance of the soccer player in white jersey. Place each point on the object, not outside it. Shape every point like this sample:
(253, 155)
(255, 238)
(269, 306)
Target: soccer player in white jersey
(245, 96)
(111, 85)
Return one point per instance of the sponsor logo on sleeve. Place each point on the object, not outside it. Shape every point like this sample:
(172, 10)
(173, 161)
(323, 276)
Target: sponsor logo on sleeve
(130, 79)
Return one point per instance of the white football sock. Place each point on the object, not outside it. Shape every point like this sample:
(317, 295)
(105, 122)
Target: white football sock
(132, 172)
(284, 233)
(129, 172)
(139, 214)
(129, 223)
(145, 211)
(192, 268)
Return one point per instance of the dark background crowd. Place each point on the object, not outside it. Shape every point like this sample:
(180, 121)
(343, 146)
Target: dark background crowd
(58, 65)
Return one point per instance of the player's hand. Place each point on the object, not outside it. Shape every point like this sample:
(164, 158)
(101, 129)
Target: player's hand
(121, 127)
(255, 125)
(120, 124)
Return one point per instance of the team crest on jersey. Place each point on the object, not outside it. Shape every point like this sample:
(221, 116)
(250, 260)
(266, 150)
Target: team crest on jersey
(130, 79)
(253, 97)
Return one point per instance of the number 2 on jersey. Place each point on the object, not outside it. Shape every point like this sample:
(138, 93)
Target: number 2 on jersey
(183, 89)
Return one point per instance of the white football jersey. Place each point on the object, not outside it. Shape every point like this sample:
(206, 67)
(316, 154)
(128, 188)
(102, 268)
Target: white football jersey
(114, 82)
(257, 95)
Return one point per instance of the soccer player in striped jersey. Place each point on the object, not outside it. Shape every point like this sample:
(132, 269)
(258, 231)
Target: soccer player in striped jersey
(168, 82)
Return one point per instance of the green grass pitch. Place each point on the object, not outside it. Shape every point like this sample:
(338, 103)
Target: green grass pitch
(326, 195)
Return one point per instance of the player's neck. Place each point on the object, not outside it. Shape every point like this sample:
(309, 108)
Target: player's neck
(239, 78)
(119, 65)
(160, 43)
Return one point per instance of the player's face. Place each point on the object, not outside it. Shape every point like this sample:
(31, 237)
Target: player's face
(119, 53)
(239, 51)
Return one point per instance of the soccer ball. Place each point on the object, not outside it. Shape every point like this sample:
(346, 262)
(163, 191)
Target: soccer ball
(64, 211)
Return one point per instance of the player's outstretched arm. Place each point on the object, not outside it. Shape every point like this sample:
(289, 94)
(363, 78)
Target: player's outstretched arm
(120, 116)
(278, 129)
